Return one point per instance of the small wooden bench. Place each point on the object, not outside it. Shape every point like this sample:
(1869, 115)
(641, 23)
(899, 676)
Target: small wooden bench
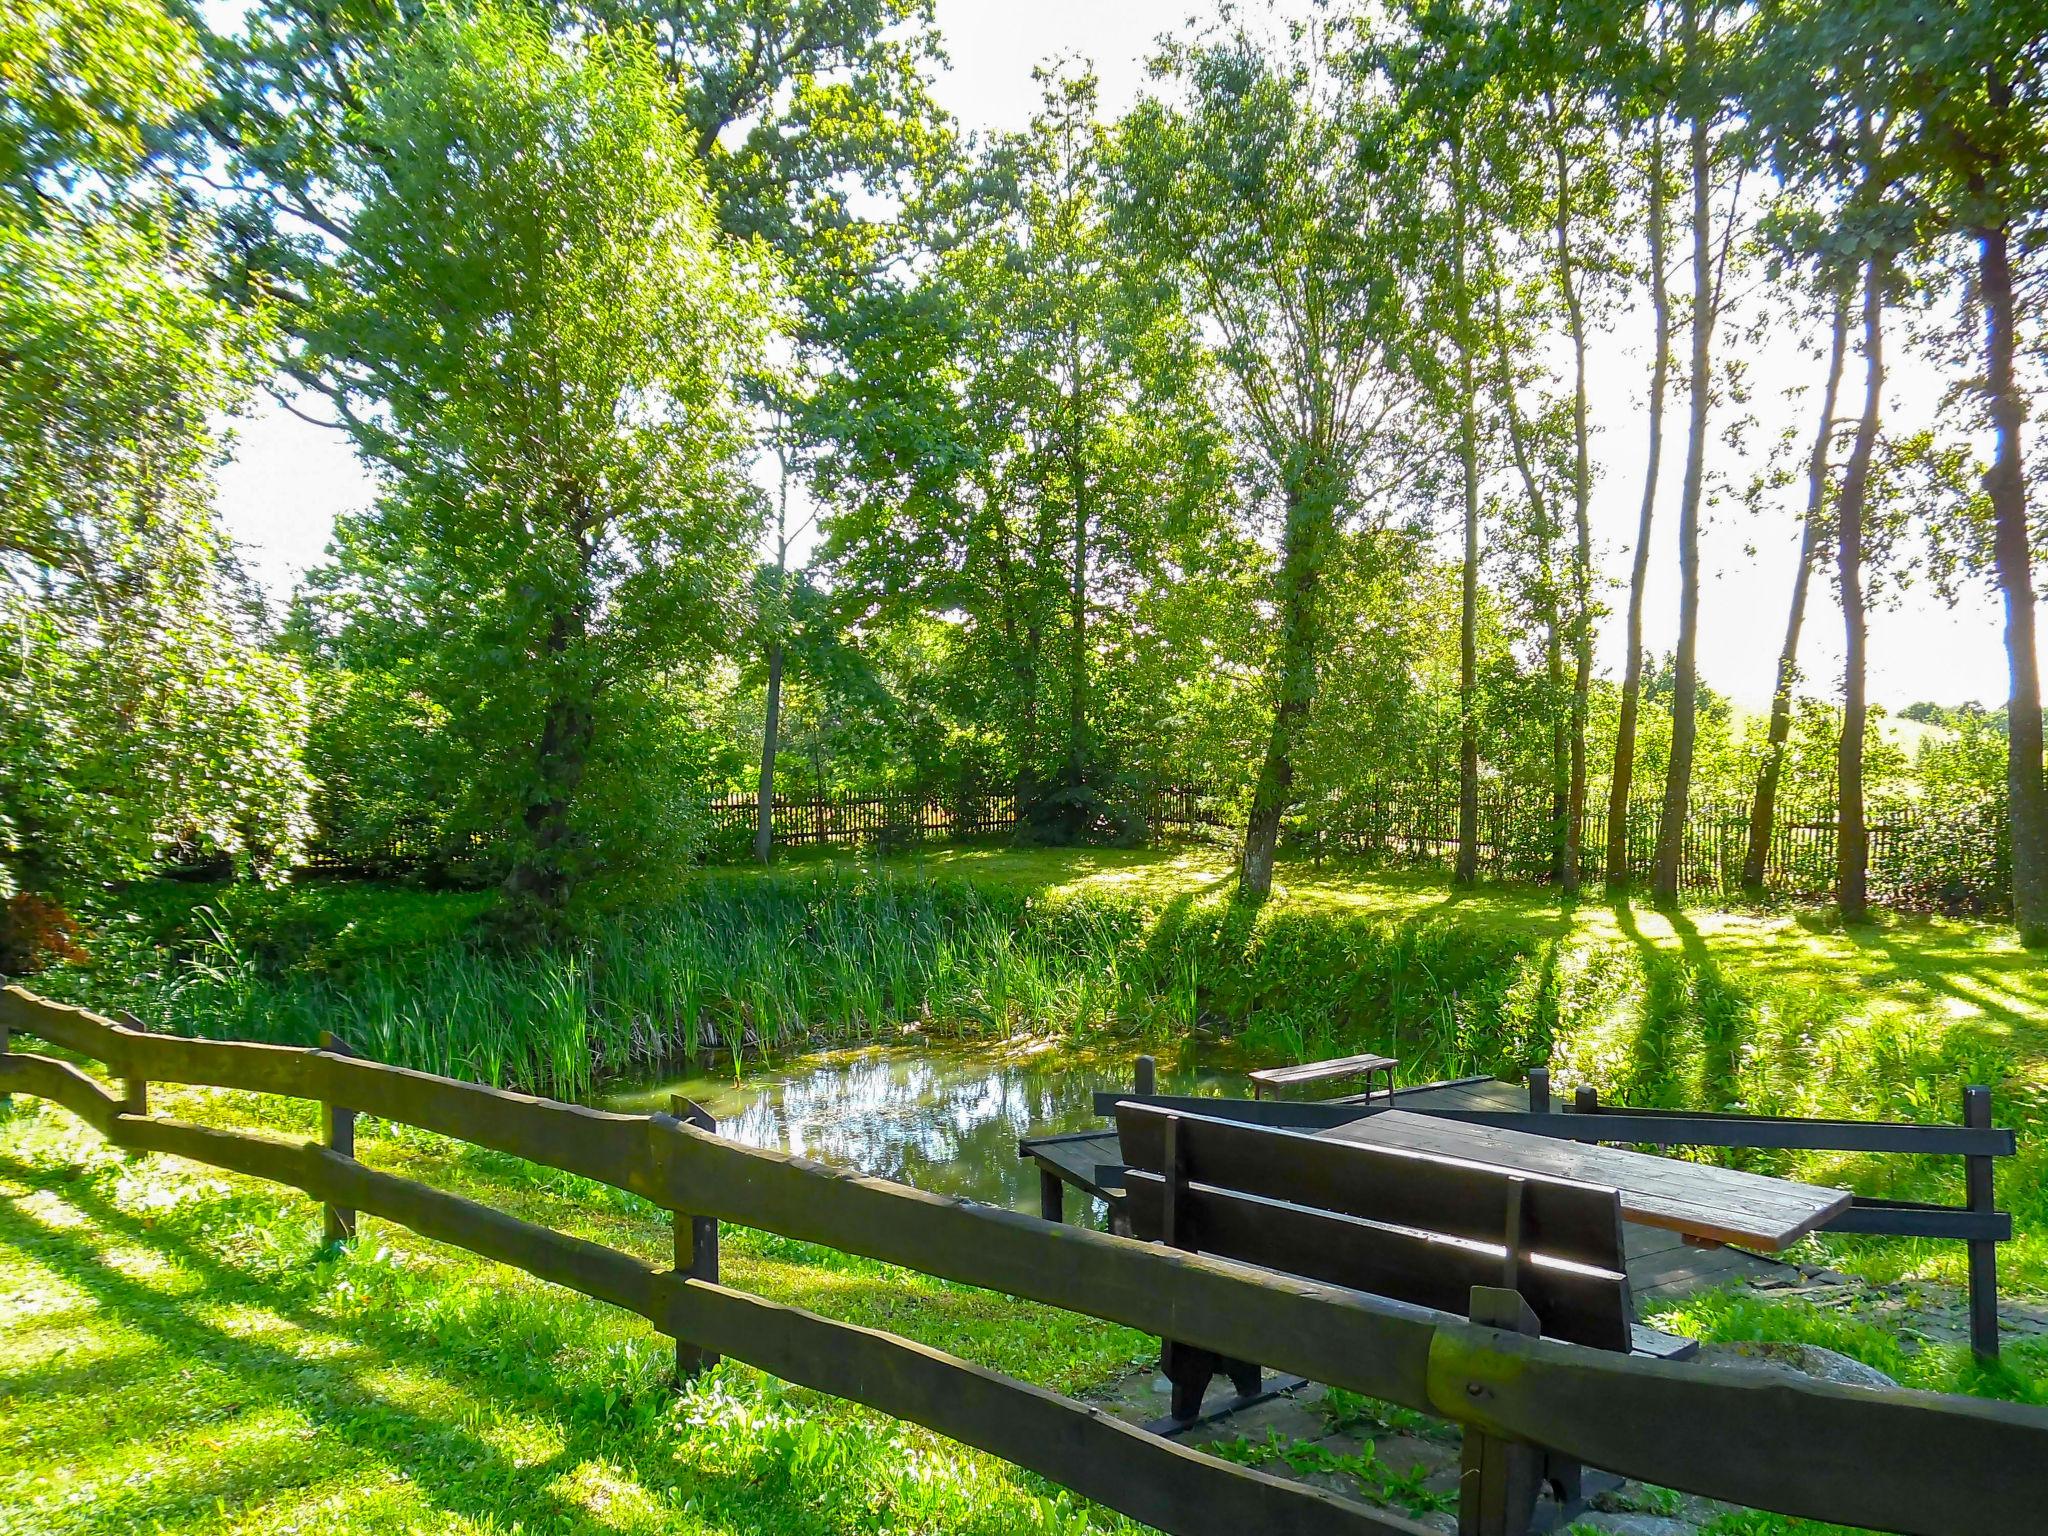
(1366, 1066)
(1525, 1251)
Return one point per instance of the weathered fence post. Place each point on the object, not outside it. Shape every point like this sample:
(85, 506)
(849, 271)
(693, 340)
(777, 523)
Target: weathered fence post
(1145, 1077)
(696, 1244)
(1498, 1480)
(134, 1090)
(1983, 1200)
(338, 1135)
(1539, 1090)
(1586, 1099)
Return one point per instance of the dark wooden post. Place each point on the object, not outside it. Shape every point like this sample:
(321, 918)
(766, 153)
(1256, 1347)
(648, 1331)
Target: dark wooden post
(1539, 1090)
(1146, 1077)
(1983, 1250)
(1586, 1099)
(134, 1090)
(338, 1134)
(1498, 1480)
(696, 1245)
(1052, 1195)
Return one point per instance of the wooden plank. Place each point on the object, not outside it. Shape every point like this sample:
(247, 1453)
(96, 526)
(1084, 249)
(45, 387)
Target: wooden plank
(61, 1083)
(72, 1029)
(1721, 1204)
(1462, 1198)
(1913, 1463)
(613, 1149)
(1154, 1480)
(1572, 1301)
(1316, 1071)
(1689, 1128)
(1366, 1343)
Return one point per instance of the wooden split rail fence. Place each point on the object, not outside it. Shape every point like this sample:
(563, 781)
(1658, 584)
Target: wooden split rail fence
(1909, 1462)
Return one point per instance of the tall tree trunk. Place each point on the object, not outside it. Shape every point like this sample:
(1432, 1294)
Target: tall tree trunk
(1305, 544)
(1685, 689)
(771, 735)
(1543, 526)
(1763, 807)
(2012, 554)
(540, 879)
(1582, 547)
(1852, 836)
(1560, 751)
(1077, 626)
(771, 723)
(1623, 778)
(1466, 871)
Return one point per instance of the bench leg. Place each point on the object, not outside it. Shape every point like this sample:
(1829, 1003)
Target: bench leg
(1189, 1369)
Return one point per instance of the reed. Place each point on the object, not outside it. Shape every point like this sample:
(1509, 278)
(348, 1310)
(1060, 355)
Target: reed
(750, 964)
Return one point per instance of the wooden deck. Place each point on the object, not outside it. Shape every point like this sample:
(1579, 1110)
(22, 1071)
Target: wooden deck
(1663, 1268)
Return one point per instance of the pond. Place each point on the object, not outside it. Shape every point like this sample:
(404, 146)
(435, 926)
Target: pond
(940, 1117)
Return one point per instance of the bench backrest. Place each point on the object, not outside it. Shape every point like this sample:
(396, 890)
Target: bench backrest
(1415, 1226)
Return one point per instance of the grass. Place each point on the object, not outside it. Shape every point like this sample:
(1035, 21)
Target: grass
(177, 1352)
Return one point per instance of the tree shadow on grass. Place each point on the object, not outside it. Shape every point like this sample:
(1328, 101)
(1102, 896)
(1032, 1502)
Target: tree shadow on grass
(1690, 1010)
(453, 1469)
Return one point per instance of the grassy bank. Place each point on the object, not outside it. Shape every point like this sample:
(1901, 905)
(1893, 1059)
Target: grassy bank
(1775, 1012)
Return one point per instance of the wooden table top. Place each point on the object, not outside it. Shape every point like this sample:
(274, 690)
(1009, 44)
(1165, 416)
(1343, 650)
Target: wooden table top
(1712, 1204)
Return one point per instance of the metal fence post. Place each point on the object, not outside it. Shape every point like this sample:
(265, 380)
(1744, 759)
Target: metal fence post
(696, 1245)
(338, 1135)
(1983, 1200)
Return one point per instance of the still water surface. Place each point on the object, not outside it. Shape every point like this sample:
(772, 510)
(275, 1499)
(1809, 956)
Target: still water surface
(940, 1117)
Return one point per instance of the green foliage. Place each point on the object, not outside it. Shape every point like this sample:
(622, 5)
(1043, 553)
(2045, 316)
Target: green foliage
(141, 706)
(537, 331)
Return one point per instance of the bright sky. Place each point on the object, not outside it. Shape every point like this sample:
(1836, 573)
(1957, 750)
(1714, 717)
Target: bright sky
(289, 479)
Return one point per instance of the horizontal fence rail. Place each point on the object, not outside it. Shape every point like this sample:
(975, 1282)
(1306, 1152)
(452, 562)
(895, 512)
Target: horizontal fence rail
(1910, 1462)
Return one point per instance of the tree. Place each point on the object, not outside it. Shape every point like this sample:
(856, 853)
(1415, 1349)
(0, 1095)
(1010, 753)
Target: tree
(1827, 100)
(537, 332)
(141, 706)
(1655, 175)
(1448, 89)
(1813, 530)
(1978, 75)
(1269, 190)
(1020, 443)
(1701, 76)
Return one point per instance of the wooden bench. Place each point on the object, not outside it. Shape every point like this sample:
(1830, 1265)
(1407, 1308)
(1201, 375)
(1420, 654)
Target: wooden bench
(1366, 1066)
(1530, 1252)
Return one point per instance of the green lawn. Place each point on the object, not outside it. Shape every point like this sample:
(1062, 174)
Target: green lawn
(176, 1352)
